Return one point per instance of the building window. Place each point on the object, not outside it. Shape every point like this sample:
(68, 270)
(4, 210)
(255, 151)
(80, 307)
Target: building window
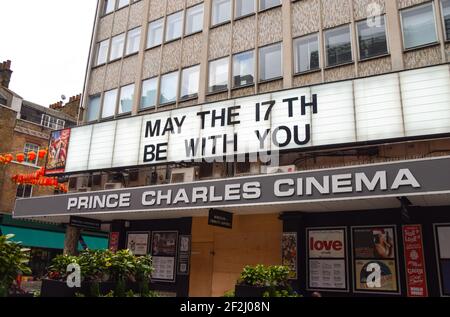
(194, 19)
(339, 47)
(306, 53)
(155, 33)
(133, 40)
(109, 6)
(218, 75)
(418, 25)
(221, 11)
(174, 26)
(93, 109)
(123, 3)
(244, 69)
(30, 147)
(244, 7)
(169, 87)
(24, 191)
(52, 123)
(102, 52)
(372, 39)
(446, 15)
(117, 47)
(266, 4)
(149, 93)
(190, 78)
(126, 99)
(109, 103)
(270, 62)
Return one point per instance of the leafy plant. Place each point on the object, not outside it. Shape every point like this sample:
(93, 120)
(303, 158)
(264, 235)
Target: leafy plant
(58, 269)
(229, 293)
(13, 261)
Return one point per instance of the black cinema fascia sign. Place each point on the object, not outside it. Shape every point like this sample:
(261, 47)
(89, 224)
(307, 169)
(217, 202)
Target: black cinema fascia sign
(220, 218)
(85, 223)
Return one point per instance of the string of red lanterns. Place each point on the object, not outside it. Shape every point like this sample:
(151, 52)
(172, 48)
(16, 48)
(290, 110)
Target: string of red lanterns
(20, 157)
(37, 178)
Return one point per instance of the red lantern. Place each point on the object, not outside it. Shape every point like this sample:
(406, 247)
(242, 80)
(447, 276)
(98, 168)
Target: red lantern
(41, 172)
(8, 158)
(2, 159)
(20, 157)
(31, 156)
(42, 153)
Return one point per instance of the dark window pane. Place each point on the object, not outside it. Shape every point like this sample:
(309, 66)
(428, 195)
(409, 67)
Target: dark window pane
(446, 14)
(339, 48)
(306, 52)
(372, 39)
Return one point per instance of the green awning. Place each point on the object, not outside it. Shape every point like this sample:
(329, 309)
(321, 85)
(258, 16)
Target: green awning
(49, 239)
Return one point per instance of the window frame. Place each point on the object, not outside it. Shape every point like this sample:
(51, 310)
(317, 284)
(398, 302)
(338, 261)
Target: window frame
(100, 105)
(268, 8)
(255, 9)
(254, 68)
(386, 33)
(163, 32)
(124, 34)
(209, 92)
(319, 68)
(166, 26)
(35, 147)
(104, 13)
(108, 41)
(23, 191)
(188, 97)
(156, 78)
(202, 4)
(352, 60)
(119, 99)
(211, 22)
(103, 104)
(260, 80)
(127, 41)
(405, 49)
(160, 103)
(446, 36)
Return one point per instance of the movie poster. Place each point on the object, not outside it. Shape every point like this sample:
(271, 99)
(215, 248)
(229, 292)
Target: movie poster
(443, 237)
(327, 265)
(137, 242)
(57, 152)
(374, 243)
(416, 277)
(289, 253)
(366, 281)
(164, 252)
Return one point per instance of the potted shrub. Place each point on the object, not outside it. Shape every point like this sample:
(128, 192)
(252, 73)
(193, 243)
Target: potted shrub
(262, 281)
(55, 285)
(13, 262)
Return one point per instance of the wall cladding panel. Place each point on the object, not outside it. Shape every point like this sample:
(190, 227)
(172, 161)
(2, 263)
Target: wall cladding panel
(120, 21)
(423, 57)
(220, 41)
(136, 14)
(340, 73)
(336, 12)
(171, 56)
(242, 92)
(112, 75)
(308, 79)
(129, 70)
(361, 8)
(157, 9)
(270, 27)
(192, 46)
(96, 80)
(375, 67)
(305, 17)
(105, 27)
(408, 3)
(151, 62)
(244, 34)
(174, 5)
(270, 86)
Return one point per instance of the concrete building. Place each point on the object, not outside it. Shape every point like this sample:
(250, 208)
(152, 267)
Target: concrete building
(352, 95)
(26, 127)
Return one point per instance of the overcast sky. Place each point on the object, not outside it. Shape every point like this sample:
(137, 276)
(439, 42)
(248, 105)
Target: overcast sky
(48, 44)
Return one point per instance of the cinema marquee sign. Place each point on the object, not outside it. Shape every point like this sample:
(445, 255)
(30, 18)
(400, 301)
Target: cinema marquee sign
(406, 104)
(371, 181)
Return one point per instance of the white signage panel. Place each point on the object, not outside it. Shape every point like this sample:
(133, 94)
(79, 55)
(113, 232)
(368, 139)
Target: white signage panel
(406, 104)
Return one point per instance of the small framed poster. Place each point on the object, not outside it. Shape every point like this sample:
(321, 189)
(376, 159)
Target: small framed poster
(164, 254)
(289, 253)
(137, 242)
(184, 254)
(375, 264)
(327, 259)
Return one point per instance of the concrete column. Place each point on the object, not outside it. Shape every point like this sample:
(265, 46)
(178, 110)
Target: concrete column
(395, 35)
(202, 89)
(287, 45)
(71, 240)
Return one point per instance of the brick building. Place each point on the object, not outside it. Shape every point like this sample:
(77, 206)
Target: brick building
(353, 96)
(25, 127)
